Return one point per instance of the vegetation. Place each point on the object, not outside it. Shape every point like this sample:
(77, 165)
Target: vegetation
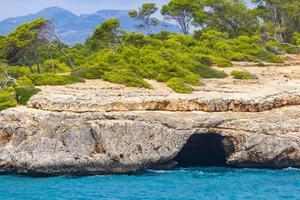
(225, 31)
(144, 14)
(241, 75)
(178, 85)
(182, 12)
(7, 98)
(23, 94)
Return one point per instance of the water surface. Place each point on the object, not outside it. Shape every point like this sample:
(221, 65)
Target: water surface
(193, 183)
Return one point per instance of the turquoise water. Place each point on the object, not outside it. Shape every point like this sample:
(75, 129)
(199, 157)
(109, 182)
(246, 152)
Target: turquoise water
(196, 183)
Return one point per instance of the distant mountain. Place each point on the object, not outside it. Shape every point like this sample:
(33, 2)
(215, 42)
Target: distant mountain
(75, 29)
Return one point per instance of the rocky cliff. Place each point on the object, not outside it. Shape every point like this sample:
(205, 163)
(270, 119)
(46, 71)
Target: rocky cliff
(98, 127)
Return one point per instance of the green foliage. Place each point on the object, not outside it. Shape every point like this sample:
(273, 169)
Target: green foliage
(2, 48)
(7, 98)
(227, 16)
(144, 14)
(23, 43)
(53, 79)
(293, 49)
(241, 75)
(280, 17)
(179, 86)
(17, 71)
(24, 93)
(24, 81)
(88, 72)
(222, 62)
(296, 38)
(125, 77)
(105, 36)
(55, 66)
(229, 32)
(181, 11)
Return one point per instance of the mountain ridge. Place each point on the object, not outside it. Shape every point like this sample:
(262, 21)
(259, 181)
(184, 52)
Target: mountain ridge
(73, 28)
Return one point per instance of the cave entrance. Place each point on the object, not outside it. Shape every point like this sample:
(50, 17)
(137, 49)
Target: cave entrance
(202, 150)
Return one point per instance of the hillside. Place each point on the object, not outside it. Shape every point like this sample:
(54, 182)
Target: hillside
(75, 29)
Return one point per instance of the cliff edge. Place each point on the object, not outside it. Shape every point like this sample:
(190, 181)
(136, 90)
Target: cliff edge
(99, 127)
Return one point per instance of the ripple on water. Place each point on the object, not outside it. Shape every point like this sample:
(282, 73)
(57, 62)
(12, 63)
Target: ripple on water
(191, 183)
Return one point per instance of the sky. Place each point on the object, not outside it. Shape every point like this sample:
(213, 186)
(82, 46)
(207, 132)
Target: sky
(14, 8)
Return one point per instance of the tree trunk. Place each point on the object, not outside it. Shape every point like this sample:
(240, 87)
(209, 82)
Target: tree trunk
(65, 54)
(36, 62)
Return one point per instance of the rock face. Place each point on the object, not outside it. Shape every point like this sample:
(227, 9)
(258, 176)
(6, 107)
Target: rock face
(98, 127)
(34, 141)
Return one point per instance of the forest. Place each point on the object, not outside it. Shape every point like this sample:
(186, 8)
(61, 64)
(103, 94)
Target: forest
(213, 33)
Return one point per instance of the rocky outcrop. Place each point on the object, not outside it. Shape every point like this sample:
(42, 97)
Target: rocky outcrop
(98, 127)
(44, 142)
(106, 97)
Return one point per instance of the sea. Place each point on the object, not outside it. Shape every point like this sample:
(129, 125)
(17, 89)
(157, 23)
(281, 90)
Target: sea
(183, 184)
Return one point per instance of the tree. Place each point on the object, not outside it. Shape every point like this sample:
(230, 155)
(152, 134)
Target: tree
(24, 44)
(107, 35)
(281, 18)
(181, 11)
(2, 48)
(230, 16)
(144, 14)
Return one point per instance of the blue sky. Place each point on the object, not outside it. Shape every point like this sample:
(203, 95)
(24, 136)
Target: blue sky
(13, 8)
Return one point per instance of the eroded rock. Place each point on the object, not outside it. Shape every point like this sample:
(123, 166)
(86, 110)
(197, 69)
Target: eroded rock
(99, 127)
(121, 142)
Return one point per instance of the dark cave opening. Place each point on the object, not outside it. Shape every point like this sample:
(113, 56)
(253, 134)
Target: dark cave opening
(202, 150)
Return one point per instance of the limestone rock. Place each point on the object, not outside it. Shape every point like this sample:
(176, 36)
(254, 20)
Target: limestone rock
(99, 127)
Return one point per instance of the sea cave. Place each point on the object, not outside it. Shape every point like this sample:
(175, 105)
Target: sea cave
(202, 150)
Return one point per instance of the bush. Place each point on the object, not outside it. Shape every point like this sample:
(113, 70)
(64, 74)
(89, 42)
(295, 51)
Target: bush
(241, 75)
(221, 62)
(53, 79)
(293, 50)
(126, 78)
(179, 86)
(18, 71)
(88, 72)
(24, 81)
(208, 72)
(7, 98)
(261, 64)
(193, 79)
(52, 65)
(296, 38)
(266, 56)
(23, 94)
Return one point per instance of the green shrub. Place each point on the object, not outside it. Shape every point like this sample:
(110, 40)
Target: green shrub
(7, 98)
(53, 79)
(241, 75)
(24, 81)
(179, 86)
(193, 79)
(18, 71)
(266, 56)
(261, 64)
(293, 50)
(204, 59)
(208, 72)
(23, 94)
(296, 38)
(88, 72)
(221, 62)
(52, 65)
(126, 78)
